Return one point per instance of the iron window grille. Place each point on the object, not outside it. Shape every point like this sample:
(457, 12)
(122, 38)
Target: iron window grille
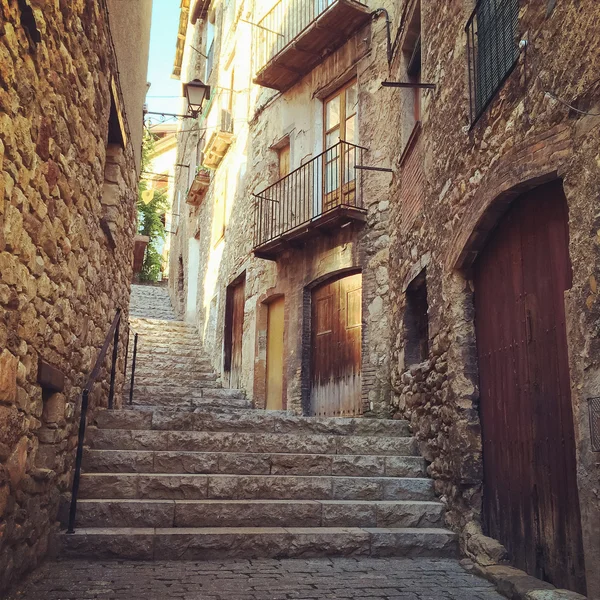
(492, 49)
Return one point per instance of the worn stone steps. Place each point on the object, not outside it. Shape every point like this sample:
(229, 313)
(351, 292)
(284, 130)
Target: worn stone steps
(226, 441)
(257, 542)
(257, 513)
(239, 487)
(251, 420)
(191, 403)
(166, 390)
(148, 461)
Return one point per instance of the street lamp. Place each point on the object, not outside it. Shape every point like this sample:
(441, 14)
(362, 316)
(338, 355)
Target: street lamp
(196, 93)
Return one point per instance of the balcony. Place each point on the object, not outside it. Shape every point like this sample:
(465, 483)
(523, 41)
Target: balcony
(219, 129)
(322, 195)
(296, 35)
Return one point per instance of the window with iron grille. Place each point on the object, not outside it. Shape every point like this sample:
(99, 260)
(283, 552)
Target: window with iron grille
(493, 50)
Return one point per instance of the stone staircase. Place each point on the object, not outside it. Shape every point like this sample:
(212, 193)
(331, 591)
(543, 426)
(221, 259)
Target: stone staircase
(190, 471)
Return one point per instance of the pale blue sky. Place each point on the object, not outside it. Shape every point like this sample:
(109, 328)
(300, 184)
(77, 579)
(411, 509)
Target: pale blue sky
(163, 37)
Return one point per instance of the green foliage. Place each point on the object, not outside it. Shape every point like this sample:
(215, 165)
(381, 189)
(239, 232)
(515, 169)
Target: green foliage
(150, 218)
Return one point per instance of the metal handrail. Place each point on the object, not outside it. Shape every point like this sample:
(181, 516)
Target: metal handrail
(328, 181)
(113, 334)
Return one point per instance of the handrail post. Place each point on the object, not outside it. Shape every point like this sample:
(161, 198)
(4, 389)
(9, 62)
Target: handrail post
(135, 341)
(113, 371)
(78, 460)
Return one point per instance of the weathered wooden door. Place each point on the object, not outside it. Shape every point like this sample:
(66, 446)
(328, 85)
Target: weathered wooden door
(530, 489)
(234, 329)
(275, 332)
(336, 348)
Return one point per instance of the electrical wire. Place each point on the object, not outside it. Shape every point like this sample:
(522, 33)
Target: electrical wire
(581, 112)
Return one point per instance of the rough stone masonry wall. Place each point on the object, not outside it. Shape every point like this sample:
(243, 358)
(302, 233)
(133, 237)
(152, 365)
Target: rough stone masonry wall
(524, 137)
(65, 255)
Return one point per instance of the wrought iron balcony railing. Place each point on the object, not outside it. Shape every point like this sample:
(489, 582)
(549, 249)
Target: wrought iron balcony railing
(324, 192)
(295, 35)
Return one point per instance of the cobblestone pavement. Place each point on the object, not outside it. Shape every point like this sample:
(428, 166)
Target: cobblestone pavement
(344, 578)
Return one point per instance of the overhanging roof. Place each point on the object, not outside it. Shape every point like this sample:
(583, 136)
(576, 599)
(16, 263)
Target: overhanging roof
(181, 34)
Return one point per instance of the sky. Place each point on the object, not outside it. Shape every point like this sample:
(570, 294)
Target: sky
(163, 37)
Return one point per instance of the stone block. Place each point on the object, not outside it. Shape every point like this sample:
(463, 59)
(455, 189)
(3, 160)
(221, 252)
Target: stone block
(17, 463)
(8, 375)
(125, 513)
(247, 513)
(301, 464)
(54, 408)
(186, 462)
(349, 514)
(118, 461)
(172, 487)
(244, 464)
(358, 466)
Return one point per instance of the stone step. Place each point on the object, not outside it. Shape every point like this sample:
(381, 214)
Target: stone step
(191, 402)
(150, 352)
(258, 513)
(190, 381)
(257, 542)
(160, 486)
(181, 391)
(188, 406)
(148, 461)
(251, 421)
(218, 441)
(183, 373)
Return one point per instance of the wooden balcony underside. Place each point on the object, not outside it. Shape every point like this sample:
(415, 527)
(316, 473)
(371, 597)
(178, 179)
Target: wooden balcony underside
(331, 220)
(309, 48)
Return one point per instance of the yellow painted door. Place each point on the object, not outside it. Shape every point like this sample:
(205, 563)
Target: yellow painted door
(275, 326)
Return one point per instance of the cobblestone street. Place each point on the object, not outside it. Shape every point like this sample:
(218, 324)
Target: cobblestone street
(344, 578)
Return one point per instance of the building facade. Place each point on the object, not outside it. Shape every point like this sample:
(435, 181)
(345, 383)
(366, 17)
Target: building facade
(70, 142)
(493, 269)
(251, 276)
(456, 286)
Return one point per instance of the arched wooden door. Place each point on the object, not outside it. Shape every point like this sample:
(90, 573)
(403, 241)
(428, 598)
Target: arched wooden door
(531, 501)
(336, 347)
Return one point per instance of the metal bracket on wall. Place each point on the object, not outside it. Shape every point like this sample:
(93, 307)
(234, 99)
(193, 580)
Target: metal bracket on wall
(408, 84)
(594, 405)
(382, 169)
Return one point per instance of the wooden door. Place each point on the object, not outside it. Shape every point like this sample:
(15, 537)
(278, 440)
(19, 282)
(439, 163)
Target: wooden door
(234, 329)
(275, 332)
(336, 348)
(530, 489)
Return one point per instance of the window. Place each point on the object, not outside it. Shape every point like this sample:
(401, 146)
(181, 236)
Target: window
(283, 154)
(340, 123)
(341, 116)
(493, 50)
(416, 322)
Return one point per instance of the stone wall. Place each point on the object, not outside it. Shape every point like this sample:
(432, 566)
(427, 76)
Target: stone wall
(524, 137)
(262, 120)
(67, 221)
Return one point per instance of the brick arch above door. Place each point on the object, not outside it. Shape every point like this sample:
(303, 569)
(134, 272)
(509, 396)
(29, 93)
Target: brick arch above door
(524, 167)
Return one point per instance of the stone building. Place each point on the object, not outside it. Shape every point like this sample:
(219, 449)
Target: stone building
(494, 261)
(248, 274)
(70, 141)
(495, 133)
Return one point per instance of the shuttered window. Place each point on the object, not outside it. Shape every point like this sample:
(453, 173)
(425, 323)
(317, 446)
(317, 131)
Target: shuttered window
(493, 49)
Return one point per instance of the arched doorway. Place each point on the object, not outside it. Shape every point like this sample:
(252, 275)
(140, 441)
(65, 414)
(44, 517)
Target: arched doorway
(531, 500)
(336, 337)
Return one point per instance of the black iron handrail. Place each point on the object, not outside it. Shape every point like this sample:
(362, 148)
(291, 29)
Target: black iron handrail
(112, 335)
(328, 181)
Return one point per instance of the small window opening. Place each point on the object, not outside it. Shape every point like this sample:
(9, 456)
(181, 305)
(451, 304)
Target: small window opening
(28, 21)
(115, 134)
(416, 322)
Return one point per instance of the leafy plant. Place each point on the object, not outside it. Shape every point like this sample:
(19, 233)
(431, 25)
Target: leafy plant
(151, 217)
